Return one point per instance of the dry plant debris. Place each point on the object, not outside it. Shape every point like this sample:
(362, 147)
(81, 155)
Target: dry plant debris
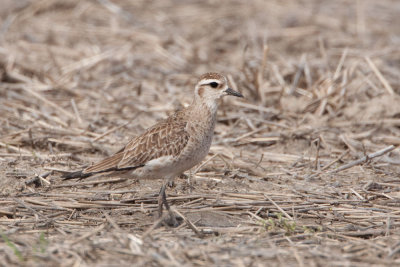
(303, 172)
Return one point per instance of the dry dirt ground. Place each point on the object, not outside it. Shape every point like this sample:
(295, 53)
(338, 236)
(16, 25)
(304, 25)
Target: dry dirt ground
(303, 172)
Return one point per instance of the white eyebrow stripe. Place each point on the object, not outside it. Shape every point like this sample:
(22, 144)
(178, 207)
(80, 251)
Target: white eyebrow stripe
(208, 81)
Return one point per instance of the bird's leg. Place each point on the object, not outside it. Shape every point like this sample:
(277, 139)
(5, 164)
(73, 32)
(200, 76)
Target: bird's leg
(189, 181)
(171, 183)
(162, 199)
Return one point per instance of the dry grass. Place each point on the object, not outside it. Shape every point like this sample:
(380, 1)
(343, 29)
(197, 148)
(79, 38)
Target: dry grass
(293, 177)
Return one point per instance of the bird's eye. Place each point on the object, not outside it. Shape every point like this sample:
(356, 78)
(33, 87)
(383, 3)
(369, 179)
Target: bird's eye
(214, 85)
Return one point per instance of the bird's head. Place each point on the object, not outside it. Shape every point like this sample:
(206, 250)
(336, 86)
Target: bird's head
(211, 87)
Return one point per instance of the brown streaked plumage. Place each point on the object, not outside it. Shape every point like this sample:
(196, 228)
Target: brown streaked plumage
(211, 76)
(173, 145)
(167, 138)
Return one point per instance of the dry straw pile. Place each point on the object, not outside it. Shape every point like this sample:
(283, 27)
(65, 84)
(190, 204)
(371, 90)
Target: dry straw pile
(304, 171)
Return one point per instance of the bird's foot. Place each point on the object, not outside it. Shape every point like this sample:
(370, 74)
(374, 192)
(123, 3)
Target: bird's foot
(169, 219)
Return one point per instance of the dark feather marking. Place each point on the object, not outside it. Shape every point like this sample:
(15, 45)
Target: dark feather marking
(80, 174)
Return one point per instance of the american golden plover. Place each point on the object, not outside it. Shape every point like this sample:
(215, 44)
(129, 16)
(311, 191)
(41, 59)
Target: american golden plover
(173, 145)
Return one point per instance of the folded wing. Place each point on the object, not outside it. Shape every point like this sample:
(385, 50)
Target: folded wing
(167, 138)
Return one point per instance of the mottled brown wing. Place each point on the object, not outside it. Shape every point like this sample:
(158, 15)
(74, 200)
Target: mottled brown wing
(167, 138)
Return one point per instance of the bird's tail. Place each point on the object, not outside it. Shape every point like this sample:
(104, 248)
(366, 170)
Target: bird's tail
(106, 165)
(77, 174)
(82, 174)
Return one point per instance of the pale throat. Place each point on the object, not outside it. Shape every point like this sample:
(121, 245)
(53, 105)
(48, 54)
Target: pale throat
(207, 105)
(212, 105)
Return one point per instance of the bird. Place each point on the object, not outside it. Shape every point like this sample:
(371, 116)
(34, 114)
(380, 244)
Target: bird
(172, 145)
